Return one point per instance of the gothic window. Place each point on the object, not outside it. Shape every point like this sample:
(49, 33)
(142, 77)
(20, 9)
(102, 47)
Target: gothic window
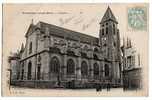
(102, 31)
(114, 44)
(22, 73)
(84, 69)
(113, 25)
(96, 70)
(114, 29)
(30, 48)
(106, 30)
(129, 62)
(54, 65)
(132, 60)
(38, 72)
(70, 67)
(117, 31)
(106, 70)
(29, 73)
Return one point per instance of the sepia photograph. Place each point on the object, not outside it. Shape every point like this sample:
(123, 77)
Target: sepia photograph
(98, 49)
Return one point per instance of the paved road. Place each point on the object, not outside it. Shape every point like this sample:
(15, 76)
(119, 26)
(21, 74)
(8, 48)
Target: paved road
(70, 92)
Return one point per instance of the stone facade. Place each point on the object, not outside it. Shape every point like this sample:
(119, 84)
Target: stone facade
(62, 56)
(132, 69)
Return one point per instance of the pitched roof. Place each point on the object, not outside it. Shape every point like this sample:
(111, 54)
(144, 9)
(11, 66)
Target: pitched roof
(30, 30)
(108, 16)
(66, 33)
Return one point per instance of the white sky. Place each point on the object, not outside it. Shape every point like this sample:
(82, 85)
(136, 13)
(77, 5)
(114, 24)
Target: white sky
(16, 21)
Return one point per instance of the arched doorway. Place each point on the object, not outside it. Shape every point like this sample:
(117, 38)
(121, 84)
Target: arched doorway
(84, 69)
(54, 71)
(96, 71)
(29, 73)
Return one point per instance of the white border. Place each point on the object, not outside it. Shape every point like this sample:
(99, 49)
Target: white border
(83, 1)
(75, 1)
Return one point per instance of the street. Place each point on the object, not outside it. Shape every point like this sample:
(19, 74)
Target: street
(71, 92)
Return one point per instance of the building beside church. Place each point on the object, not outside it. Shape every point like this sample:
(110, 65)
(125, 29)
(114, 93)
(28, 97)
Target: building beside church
(132, 67)
(55, 56)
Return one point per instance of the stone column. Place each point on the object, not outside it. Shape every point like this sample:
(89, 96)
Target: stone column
(78, 69)
(116, 72)
(91, 68)
(45, 65)
(101, 70)
(64, 67)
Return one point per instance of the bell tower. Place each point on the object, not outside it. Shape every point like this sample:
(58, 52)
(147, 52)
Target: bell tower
(110, 45)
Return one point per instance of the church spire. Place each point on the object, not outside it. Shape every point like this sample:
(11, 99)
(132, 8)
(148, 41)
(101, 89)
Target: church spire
(22, 48)
(32, 22)
(108, 16)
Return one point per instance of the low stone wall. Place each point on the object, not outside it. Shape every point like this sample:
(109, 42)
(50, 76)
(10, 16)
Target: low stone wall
(35, 84)
(63, 84)
(52, 84)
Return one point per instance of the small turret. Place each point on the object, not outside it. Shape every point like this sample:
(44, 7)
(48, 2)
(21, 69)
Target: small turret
(22, 48)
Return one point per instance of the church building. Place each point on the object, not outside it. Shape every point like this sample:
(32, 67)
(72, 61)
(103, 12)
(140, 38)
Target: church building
(54, 56)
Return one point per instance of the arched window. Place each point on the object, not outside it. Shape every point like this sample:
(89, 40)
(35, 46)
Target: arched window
(29, 73)
(113, 28)
(96, 71)
(84, 69)
(102, 31)
(114, 44)
(30, 48)
(106, 30)
(70, 67)
(38, 72)
(85, 47)
(106, 70)
(54, 65)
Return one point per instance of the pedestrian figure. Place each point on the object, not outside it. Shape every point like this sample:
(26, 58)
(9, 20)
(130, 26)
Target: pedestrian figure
(97, 87)
(124, 87)
(108, 86)
(100, 87)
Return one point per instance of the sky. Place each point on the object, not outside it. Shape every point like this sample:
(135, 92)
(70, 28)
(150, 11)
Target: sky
(83, 18)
